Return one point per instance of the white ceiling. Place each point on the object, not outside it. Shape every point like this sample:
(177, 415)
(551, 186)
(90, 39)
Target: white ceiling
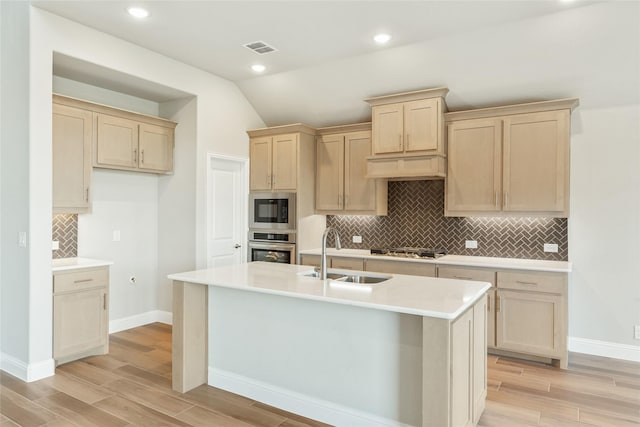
(486, 52)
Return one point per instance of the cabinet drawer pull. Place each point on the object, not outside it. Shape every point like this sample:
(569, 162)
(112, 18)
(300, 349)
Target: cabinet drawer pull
(463, 278)
(83, 281)
(526, 283)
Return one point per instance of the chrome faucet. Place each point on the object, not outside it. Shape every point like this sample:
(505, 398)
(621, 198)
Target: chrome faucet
(323, 259)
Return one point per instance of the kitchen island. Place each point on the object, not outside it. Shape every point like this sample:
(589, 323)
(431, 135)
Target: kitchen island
(406, 351)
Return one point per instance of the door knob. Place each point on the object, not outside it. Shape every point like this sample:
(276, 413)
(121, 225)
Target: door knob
(237, 246)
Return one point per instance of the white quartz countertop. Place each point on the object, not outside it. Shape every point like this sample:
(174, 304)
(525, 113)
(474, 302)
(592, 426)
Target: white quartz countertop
(62, 264)
(423, 296)
(469, 261)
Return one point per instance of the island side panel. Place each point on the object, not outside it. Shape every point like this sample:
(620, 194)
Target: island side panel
(454, 368)
(190, 336)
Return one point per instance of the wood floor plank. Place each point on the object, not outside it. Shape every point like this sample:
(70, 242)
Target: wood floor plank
(145, 377)
(241, 411)
(498, 414)
(608, 420)
(136, 413)
(31, 391)
(291, 417)
(23, 411)
(106, 362)
(89, 373)
(76, 387)
(79, 412)
(148, 397)
(201, 417)
(537, 403)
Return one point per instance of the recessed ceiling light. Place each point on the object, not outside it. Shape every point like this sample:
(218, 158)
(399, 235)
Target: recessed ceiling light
(138, 12)
(258, 68)
(382, 38)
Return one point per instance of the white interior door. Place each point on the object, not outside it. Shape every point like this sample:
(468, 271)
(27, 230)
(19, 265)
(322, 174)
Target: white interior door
(227, 195)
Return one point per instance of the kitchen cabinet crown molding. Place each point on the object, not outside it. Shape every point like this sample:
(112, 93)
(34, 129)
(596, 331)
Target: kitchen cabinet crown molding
(415, 95)
(504, 110)
(105, 109)
(278, 130)
(355, 127)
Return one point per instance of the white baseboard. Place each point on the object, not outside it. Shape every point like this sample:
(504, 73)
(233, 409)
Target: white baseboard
(141, 319)
(27, 372)
(605, 349)
(297, 403)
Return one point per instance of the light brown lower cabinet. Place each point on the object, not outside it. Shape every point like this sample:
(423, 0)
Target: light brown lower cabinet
(80, 313)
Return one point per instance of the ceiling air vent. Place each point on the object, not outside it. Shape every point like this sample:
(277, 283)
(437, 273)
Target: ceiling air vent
(260, 47)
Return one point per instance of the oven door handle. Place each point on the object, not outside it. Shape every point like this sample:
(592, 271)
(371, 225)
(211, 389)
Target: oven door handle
(274, 246)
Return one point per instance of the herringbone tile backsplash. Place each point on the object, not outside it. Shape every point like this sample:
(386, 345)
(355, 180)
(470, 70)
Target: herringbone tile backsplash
(416, 218)
(65, 231)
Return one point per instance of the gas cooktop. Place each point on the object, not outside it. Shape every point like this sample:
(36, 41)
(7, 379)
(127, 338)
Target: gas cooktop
(407, 252)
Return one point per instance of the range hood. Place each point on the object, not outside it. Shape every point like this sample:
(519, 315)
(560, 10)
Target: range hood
(432, 166)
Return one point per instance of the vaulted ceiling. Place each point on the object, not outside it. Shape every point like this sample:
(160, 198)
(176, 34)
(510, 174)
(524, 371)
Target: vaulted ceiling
(486, 52)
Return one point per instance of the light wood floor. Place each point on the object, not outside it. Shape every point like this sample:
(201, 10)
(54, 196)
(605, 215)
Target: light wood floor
(132, 386)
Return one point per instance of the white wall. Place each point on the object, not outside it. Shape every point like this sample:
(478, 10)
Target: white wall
(604, 228)
(223, 115)
(128, 202)
(14, 186)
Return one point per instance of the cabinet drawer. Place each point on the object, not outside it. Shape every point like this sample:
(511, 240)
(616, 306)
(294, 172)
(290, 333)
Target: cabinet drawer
(552, 283)
(462, 273)
(347, 263)
(313, 260)
(401, 267)
(80, 279)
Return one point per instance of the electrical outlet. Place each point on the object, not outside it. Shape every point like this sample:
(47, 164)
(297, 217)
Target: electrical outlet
(471, 244)
(637, 332)
(55, 245)
(550, 247)
(357, 239)
(22, 239)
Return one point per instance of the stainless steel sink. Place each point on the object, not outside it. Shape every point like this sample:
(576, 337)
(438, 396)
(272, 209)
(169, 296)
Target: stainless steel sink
(350, 278)
(333, 276)
(363, 279)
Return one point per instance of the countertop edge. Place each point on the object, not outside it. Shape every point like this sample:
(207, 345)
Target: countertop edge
(396, 309)
(482, 262)
(78, 263)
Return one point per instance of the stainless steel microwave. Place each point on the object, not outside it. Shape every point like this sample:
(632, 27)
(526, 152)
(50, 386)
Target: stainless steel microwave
(276, 211)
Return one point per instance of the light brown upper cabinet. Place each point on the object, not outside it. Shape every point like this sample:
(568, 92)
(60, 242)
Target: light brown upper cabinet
(125, 140)
(72, 131)
(129, 144)
(509, 160)
(408, 135)
(407, 126)
(341, 183)
(280, 156)
(274, 163)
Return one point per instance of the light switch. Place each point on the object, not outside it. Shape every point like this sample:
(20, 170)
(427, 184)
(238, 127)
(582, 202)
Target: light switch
(116, 235)
(55, 245)
(550, 247)
(471, 244)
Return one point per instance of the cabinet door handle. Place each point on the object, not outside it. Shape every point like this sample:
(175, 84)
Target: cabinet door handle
(273, 177)
(83, 281)
(268, 180)
(104, 301)
(87, 194)
(400, 142)
(408, 141)
(135, 156)
(142, 156)
(526, 283)
(499, 304)
(496, 199)
(506, 199)
(488, 302)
